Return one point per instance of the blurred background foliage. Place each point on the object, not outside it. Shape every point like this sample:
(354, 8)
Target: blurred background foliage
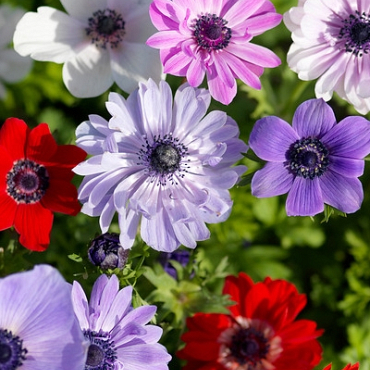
(328, 258)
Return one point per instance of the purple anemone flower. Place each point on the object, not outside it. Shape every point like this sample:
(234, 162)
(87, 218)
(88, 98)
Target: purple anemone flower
(167, 166)
(38, 328)
(119, 336)
(315, 161)
(212, 38)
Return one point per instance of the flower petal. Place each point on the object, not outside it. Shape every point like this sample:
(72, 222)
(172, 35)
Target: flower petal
(273, 179)
(345, 194)
(350, 138)
(305, 198)
(313, 118)
(271, 137)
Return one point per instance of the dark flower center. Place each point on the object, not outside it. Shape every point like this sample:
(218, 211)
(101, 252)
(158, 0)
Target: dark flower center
(356, 33)
(248, 346)
(163, 158)
(211, 33)
(106, 27)
(27, 181)
(308, 158)
(101, 354)
(12, 353)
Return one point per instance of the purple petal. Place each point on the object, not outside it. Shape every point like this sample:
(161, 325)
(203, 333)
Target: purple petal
(313, 118)
(345, 194)
(80, 305)
(350, 138)
(271, 137)
(273, 179)
(304, 198)
(347, 167)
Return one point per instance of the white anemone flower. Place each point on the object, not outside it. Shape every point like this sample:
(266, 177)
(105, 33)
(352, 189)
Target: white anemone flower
(331, 43)
(99, 41)
(13, 67)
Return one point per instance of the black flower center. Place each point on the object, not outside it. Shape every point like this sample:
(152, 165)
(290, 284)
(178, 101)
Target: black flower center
(106, 27)
(211, 33)
(163, 158)
(308, 158)
(356, 33)
(248, 346)
(27, 181)
(101, 354)
(12, 353)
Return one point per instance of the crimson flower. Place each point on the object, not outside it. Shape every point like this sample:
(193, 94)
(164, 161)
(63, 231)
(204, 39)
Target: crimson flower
(35, 175)
(260, 333)
(356, 366)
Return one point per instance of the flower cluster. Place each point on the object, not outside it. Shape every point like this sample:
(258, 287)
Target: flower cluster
(169, 167)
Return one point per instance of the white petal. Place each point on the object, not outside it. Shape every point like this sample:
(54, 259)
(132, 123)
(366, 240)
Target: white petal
(83, 9)
(13, 67)
(133, 63)
(88, 74)
(49, 35)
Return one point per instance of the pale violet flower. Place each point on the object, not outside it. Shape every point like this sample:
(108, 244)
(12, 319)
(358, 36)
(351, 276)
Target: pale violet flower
(38, 327)
(331, 43)
(13, 67)
(119, 335)
(166, 165)
(100, 42)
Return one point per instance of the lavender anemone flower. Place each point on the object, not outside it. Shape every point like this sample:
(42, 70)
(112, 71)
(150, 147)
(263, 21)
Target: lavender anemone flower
(212, 38)
(331, 42)
(169, 167)
(119, 336)
(315, 160)
(38, 328)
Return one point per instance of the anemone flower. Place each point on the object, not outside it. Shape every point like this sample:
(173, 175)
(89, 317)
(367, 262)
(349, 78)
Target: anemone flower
(119, 336)
(35, 181)
(331, 43)
(315, 161)
(99, 42)
(260, 332)
(38, 328)
(168, 167)
(212, 38)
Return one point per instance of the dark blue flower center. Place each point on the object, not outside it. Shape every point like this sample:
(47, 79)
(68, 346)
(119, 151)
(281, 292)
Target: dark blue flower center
(211, 32)
(101, 354)
(248, 346)
(27, 181)
(12, 353)
(308, 158)
(356, 33)
(163, 158)
(106, 27)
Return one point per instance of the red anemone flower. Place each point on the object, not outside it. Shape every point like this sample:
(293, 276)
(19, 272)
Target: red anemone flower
(260, 333)
(35, 181)
(356, 366)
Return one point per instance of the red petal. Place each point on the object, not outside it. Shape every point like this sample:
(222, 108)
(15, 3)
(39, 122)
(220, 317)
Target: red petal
(13, 136)
(61, 197)
(41, 145)
(8, 207)
(6, 164)
(61, 164)
(33, 222)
